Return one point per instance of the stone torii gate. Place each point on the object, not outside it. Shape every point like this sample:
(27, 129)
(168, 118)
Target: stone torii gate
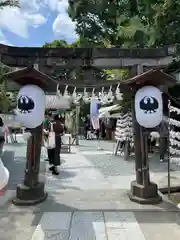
(136, 60)
(142, 190)
(47, 59)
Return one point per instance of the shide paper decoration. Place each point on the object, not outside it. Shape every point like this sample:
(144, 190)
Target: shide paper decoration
(101, 96)
(59, 100)
(149, 106)
(86, 97)
(124, 128)
(174, 139)
(124, 131)
(30, 106)
(64, 99)
(118, 94)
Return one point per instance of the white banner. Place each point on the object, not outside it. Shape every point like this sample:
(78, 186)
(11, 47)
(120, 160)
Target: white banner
(94, 113)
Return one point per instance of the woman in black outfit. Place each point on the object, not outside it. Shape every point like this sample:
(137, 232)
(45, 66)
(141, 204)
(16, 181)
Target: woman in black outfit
(54, 153)
(87, 126)
(2, 139)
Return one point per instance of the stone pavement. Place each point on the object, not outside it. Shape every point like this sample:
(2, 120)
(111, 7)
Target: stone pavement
(120, 172)
(88, 200)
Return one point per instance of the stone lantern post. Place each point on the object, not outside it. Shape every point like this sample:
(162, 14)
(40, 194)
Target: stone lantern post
(144, 191)
(31, 191)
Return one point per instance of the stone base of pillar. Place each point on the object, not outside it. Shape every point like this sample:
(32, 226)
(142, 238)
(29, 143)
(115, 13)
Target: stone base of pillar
(144, 195)
(26, 196)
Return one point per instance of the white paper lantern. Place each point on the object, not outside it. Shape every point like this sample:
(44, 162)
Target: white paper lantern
(30, 106)
(149, 106)
(4, 175)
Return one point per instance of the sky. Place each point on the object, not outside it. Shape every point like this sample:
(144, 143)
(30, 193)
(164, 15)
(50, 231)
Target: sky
(36, 22)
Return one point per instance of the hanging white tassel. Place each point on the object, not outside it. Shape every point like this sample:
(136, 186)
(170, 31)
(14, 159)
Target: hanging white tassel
(58, 93)
(85, 96)
(65, 91)
(174, 122)
(102, 96)
(174, 109)
(74, 95)
(102, 90)
(93, 96)
(66, 95)
(110, 96)
(74, 92)
(118, 93)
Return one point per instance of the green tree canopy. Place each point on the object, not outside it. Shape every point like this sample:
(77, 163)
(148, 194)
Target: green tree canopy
(166, 22)
(61, 44)
(5, 103)
(129, 23)
(9, 3)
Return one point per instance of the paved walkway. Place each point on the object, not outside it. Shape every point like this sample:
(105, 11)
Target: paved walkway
(88, 200)
(107, 226)
(120, 173)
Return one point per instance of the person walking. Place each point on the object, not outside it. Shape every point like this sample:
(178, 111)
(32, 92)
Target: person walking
(108, 129)
(46, 125)
(2, 139)
(54, 153)
(87, 126)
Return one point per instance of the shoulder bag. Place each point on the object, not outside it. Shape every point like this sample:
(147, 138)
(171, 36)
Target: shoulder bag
(51, 141)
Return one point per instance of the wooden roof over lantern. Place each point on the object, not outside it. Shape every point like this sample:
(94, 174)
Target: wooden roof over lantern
(30, 75)
(152, 77)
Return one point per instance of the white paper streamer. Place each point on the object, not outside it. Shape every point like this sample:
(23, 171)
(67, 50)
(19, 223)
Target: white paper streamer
(174, 138)
(174, 151)
(174, 109)
(174, 122)
(174, 143)
(124, 130)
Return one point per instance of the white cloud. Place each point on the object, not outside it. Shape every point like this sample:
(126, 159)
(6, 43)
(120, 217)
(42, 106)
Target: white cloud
(35, 20)
(30, 14)
(57, 5)
(63, 5)
(3, 39)
(52, 4)
(18, 22)
(13, 20)
(64, 28)
(29, 6)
